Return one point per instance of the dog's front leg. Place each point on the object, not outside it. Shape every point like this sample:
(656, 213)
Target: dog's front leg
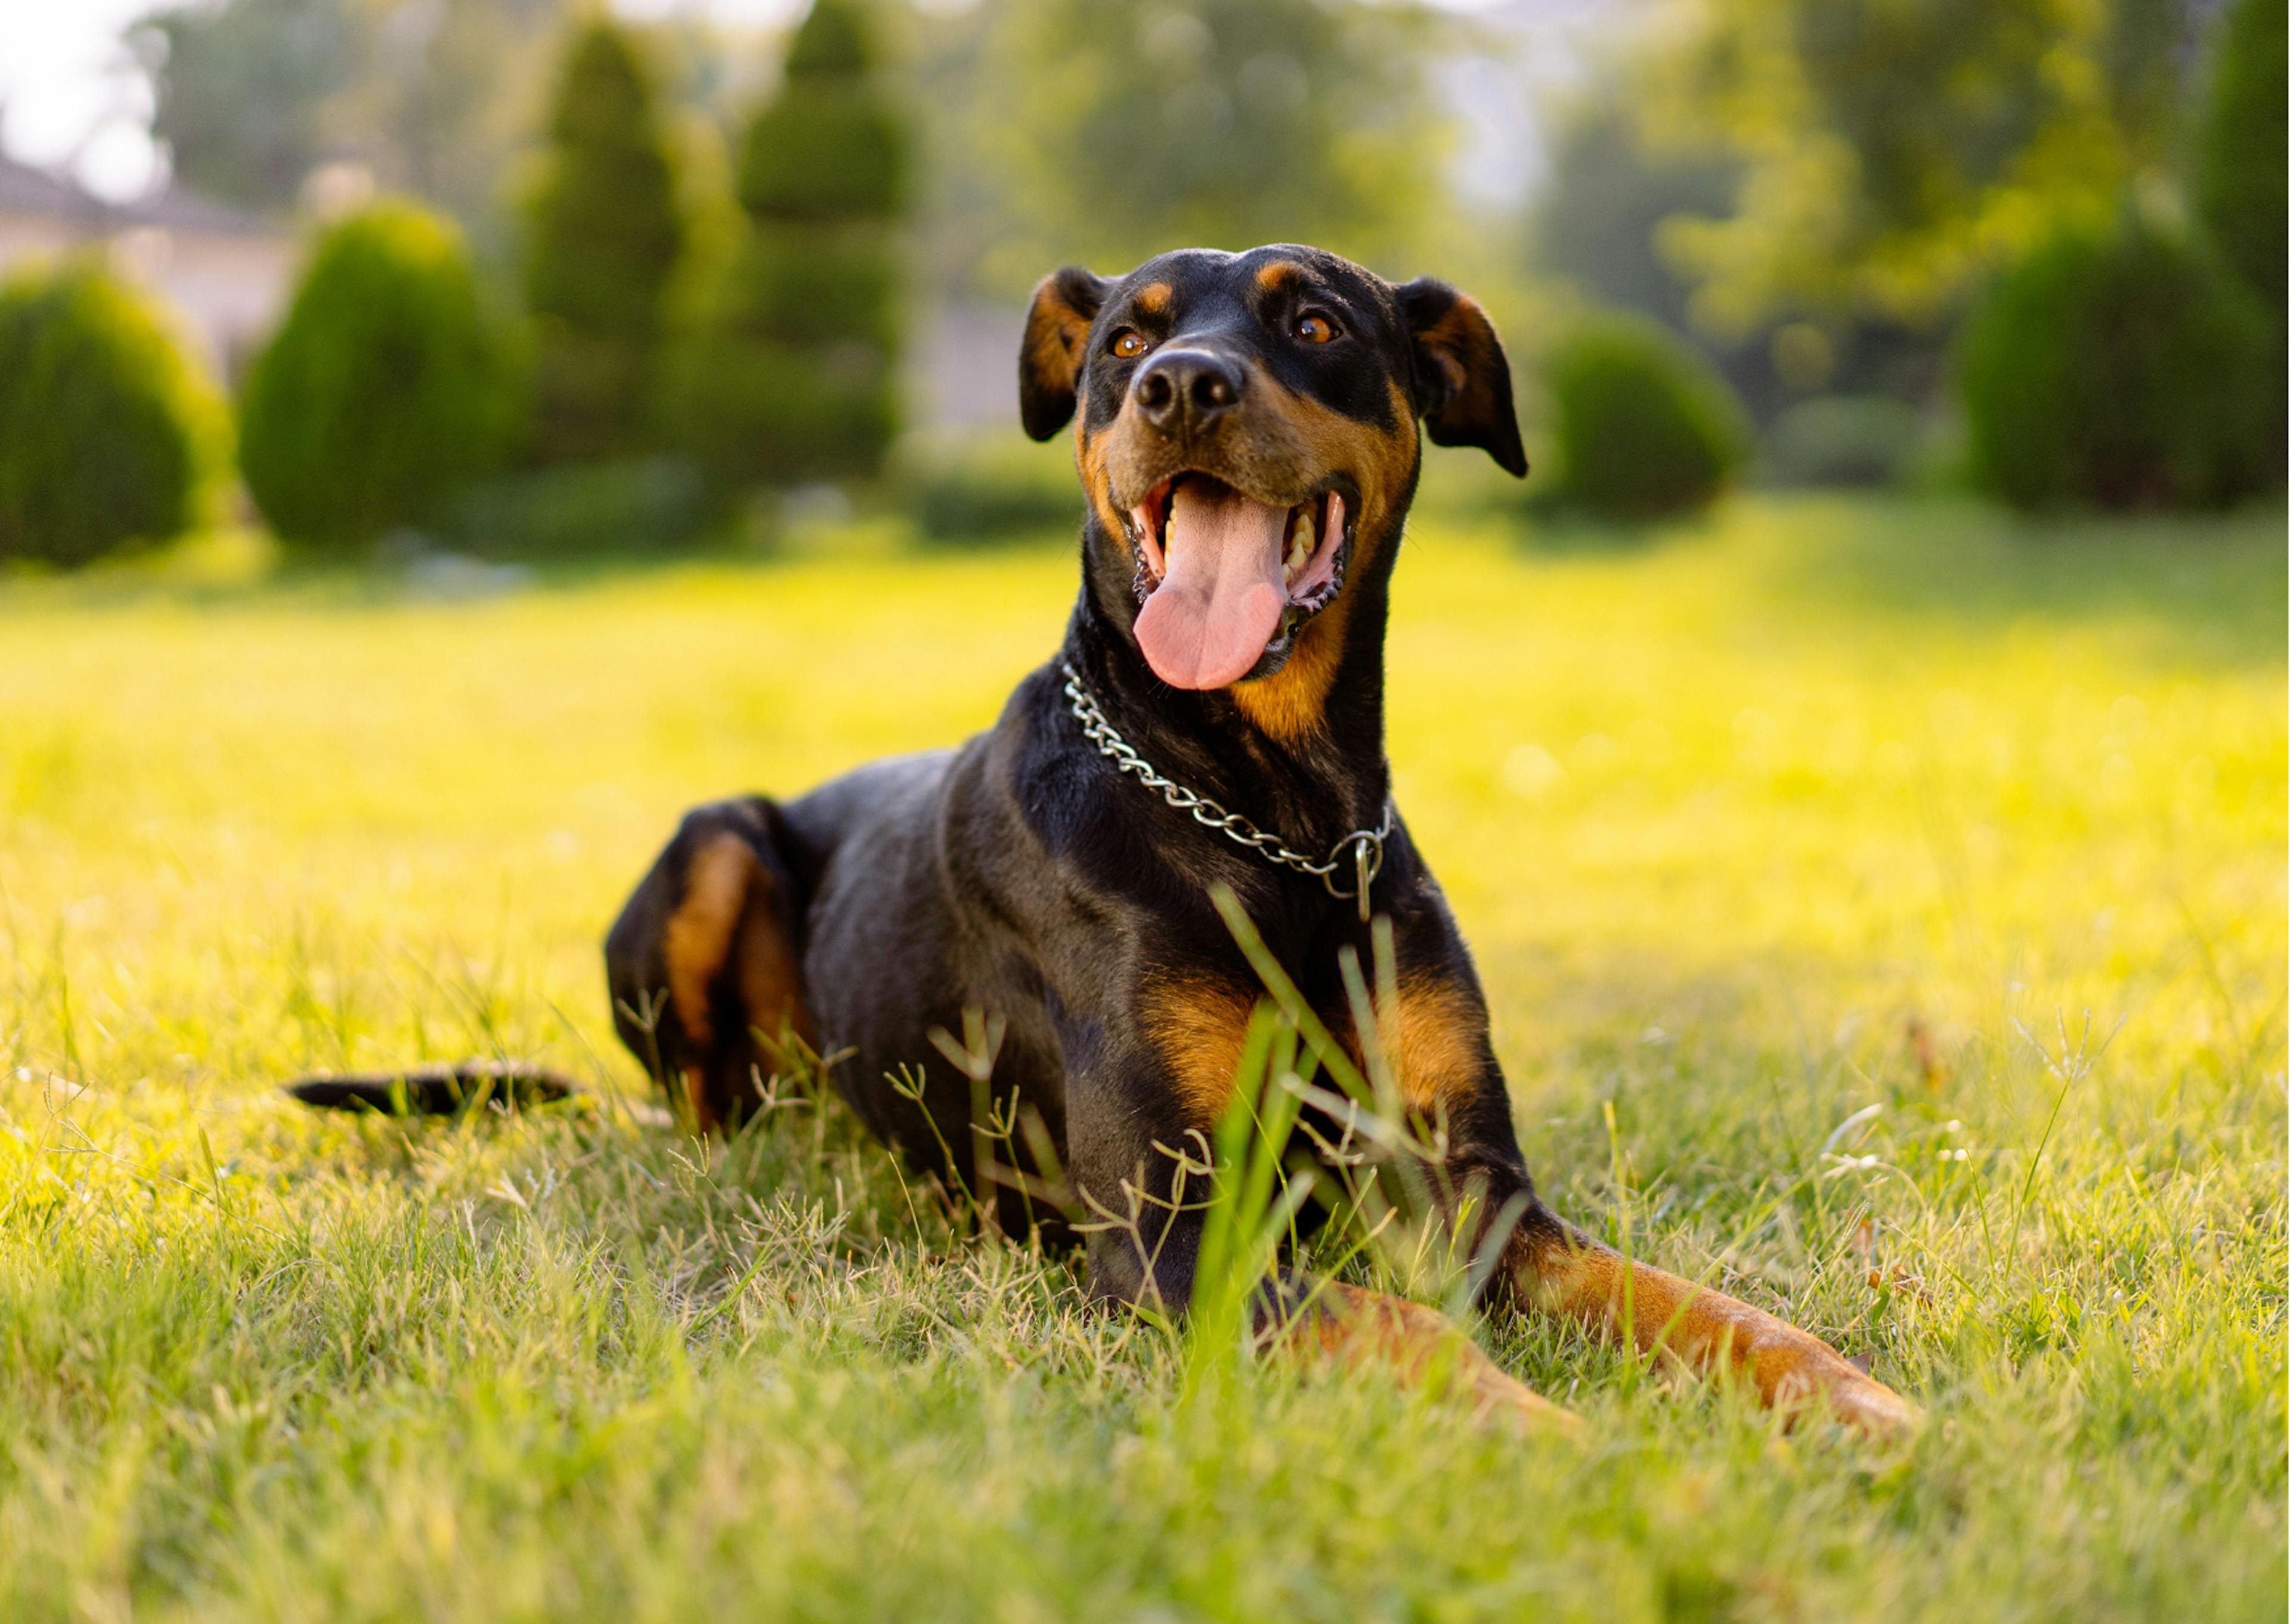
(1553, 1268)
(1360, 1329)
(1146, 1194)
(1445, 1071)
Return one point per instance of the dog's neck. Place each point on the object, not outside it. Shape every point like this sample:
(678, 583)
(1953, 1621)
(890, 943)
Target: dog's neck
(1309, 784)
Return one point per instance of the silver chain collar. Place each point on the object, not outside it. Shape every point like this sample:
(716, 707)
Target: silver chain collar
(1364, 845)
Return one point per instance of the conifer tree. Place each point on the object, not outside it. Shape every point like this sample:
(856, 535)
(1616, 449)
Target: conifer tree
(603, 239)
(795, 378)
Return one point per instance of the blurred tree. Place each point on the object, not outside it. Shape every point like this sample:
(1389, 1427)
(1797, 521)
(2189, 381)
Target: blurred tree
(433, 96)
(602, 239)
(391, 385)
(242, 88)
(449, 96)
(2120, 365)
(1891, 151)
(1600, 223)
(1607, 198)
(793, 374)
(2238, 182)
(1133, 126)
(107, 430)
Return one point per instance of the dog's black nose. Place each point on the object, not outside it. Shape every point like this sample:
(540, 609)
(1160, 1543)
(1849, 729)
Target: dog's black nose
(1182, 391)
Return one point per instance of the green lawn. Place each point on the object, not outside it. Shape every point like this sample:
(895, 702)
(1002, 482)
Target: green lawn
(1909, 884)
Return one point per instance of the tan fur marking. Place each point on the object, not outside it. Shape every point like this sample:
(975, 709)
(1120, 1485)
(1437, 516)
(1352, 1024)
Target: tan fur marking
(1381, 457)
(1360, 1328)
(699, 935)
(1458, 330)
(770, 980)
(1279, 274)
(1700, 1330)
(1153, 298)
(1290, 703)
(697, 1101)
(1053, 350)
(1464, 344)
(1089, 462)
(1197, 1027)
(1050, 358)
(1435, 1035)
(1055, 335)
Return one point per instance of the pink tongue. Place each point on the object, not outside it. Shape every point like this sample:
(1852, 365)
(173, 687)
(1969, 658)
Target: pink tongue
(1221, 600)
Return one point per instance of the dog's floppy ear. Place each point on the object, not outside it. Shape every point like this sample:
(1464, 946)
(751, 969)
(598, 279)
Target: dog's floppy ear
(1462, 382)
(1057, 332)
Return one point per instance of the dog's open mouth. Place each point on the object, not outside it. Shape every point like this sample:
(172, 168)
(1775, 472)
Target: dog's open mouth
(1227, 580)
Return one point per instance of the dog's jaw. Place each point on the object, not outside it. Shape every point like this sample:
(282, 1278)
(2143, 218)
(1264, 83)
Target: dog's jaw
(1236, 614)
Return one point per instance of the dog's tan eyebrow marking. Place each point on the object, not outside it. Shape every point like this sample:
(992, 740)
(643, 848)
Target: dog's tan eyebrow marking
(1279, 274)
(1153, 298)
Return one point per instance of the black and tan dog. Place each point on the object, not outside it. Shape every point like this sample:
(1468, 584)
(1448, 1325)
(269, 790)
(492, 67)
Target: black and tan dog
(1245, 430)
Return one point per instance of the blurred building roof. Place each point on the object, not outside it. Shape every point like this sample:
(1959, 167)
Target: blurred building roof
(27, 190)
(225, 270)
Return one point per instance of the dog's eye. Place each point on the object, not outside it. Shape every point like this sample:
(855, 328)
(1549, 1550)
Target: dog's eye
(1129, 345)
(1314, 329)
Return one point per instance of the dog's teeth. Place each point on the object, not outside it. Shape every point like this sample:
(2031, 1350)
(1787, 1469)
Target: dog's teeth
(1300, 543)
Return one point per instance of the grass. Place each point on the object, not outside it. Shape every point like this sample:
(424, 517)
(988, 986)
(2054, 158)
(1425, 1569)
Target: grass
(1881, 906)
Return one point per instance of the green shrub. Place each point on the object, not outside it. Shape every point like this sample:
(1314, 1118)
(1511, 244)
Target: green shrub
(2240, 173)
(1867, 441)
(1644, 426)
(603, 239)
(391, 385)
(2118, 364)
(987, 487)
(108, 433)
(793, 373)
(638, 505)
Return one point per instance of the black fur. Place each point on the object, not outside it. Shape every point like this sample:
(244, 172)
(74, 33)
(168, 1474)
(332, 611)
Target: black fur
(443, 1090)
(1021, 875)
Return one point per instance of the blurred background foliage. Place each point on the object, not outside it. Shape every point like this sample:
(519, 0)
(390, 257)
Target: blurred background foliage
(1143, 125)
(604, 234)
(791, 371)
(1644, 427)
(1866, 241)
(107, 435)
(393, 381)
(1889, 153)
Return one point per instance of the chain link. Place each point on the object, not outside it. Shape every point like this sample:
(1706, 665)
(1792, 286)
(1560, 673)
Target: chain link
(1365, 846)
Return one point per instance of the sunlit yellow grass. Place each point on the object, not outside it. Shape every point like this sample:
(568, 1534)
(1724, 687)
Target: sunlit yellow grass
(1755, 826)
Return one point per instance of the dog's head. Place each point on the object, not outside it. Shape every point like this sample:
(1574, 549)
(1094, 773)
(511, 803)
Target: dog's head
(1246, 435)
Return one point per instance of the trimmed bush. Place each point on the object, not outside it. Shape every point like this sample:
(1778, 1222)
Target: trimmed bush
(391, 384)
(603, 239)
(2240, 173)
(108, 433)
(643, 505)
(794, 374)
(2120, 366)
(1643, 426)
